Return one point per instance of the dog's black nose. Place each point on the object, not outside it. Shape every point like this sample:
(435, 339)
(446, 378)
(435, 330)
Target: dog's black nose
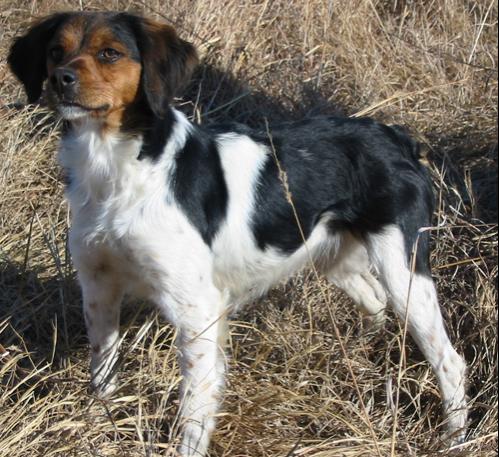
(64, 81)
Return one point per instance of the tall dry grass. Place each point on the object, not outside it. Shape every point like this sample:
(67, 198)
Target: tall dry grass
(430, 65)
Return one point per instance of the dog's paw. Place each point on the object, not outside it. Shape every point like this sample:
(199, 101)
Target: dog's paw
(373, 323)
(195, 440)
(104, 389)
(454, 439)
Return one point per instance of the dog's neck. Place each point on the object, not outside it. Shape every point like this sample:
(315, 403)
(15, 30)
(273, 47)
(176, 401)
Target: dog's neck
(102, 164)
(146, 138)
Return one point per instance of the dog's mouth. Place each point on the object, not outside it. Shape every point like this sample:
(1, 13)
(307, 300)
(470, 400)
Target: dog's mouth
(73, 110)
(84, 107)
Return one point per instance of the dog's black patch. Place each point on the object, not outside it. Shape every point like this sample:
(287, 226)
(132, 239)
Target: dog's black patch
(197, 181)
(199, 185)
(363, 175)
(155, 131)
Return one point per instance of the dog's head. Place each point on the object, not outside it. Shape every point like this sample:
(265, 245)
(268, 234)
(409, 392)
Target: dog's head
(99, 64)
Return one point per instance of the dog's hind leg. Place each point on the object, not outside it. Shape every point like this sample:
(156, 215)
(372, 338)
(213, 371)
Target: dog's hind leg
(351, 272)
(414, 299)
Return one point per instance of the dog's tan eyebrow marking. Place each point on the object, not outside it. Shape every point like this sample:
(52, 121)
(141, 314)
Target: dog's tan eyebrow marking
(103, 36)
(72, 34)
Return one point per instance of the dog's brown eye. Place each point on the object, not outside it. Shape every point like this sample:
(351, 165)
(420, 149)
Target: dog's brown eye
(109, 54)
(56, 54)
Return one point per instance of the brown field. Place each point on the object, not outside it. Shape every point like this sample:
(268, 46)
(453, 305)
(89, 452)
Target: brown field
(431, 65)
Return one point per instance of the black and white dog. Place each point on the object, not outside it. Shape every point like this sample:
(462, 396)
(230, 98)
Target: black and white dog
(196, 218)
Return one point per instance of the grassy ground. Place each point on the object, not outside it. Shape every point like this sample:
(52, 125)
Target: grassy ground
(429, 65)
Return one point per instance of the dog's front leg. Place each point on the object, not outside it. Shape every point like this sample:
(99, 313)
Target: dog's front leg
(102, 295)
(202, 363)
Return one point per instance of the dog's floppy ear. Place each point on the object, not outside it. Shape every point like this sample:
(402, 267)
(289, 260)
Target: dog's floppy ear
(27, 57)
(167, 63)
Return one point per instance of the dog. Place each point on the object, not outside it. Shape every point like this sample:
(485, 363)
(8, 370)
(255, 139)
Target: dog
(204, 219)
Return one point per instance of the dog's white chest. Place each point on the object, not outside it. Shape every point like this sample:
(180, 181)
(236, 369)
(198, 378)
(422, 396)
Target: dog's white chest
(124, 217)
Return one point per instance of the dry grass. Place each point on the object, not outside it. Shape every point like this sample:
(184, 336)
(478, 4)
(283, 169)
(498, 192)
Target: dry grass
(430, 65)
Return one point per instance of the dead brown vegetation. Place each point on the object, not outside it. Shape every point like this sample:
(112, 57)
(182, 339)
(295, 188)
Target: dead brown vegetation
(430, 65)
